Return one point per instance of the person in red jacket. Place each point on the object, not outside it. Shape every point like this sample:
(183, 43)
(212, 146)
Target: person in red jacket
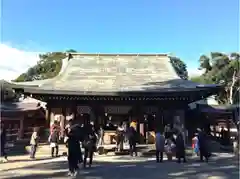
(54, 126)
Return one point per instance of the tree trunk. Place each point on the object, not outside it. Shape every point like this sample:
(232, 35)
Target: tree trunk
(234, 79)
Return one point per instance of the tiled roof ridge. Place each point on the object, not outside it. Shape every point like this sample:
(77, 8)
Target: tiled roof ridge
(119, 54)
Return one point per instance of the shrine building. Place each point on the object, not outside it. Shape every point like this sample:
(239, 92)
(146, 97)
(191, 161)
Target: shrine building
(109, 88)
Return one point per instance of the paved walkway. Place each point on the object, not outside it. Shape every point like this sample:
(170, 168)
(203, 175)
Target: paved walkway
(221, 166)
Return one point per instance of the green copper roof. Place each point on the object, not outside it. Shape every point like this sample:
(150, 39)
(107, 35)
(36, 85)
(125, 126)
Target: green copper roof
(113, 73)
(90, 72)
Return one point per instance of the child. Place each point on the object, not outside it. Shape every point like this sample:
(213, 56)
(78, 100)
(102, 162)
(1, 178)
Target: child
(169, 149)
(195, 146)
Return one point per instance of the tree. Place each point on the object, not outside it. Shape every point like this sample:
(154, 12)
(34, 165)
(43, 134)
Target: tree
(223, 69)
(48, 66)
(205, 63)
(71, 51)
(198, 79)
(180, 67)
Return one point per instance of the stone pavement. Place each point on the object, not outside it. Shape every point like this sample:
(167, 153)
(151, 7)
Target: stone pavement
(221, 166)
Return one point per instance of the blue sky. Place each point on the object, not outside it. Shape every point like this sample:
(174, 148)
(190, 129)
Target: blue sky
(186, 28)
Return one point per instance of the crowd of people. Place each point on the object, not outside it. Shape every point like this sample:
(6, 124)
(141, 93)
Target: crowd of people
(86, 136)
(126, 133)
(173, 143)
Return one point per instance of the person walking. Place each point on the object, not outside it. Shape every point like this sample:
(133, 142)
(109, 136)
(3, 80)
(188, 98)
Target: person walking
(160, 141)
(54, 141)
(120, 137)
(195, 145)
(73, 150)
(3, 142)
(101, 136)
(180, 148)
(89, 145)
(203, 146)
(34, 142)
(132, 138)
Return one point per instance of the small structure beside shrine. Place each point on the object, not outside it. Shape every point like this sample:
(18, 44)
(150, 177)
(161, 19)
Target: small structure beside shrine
(19, 118)
(220, 116)
(113, 88)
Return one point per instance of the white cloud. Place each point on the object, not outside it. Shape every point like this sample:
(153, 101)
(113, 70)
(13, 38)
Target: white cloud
(14, 62)
(194, 72)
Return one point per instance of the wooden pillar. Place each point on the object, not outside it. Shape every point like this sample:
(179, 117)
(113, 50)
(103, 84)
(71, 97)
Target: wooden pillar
(159, 120)
(51, 119)
(228, 128)
(63, 121)
(99, 113)
(214, 129)
(21, 128)
(48, 116)
(74, 110)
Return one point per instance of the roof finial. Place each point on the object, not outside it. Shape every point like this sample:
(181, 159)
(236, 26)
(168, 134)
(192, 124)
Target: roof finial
(69, 56)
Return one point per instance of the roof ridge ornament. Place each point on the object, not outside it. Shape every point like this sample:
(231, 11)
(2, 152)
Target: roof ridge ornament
(69, 56)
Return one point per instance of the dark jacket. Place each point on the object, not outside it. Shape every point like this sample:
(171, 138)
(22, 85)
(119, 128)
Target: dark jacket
(90, 140)
(132, 134)
(203, 144)
(73, 144)
(3, 136)
(180, 147)
(54, 137)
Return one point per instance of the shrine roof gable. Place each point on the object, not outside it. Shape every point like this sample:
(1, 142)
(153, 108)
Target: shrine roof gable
(115, 73)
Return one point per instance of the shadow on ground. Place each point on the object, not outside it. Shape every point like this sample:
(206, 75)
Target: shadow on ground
(25, 160)
(223, 168)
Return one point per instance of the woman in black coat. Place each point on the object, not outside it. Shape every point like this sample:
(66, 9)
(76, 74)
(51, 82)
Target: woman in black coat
(132, 138)
(180, 148)
(73, 151)
(203, 146)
